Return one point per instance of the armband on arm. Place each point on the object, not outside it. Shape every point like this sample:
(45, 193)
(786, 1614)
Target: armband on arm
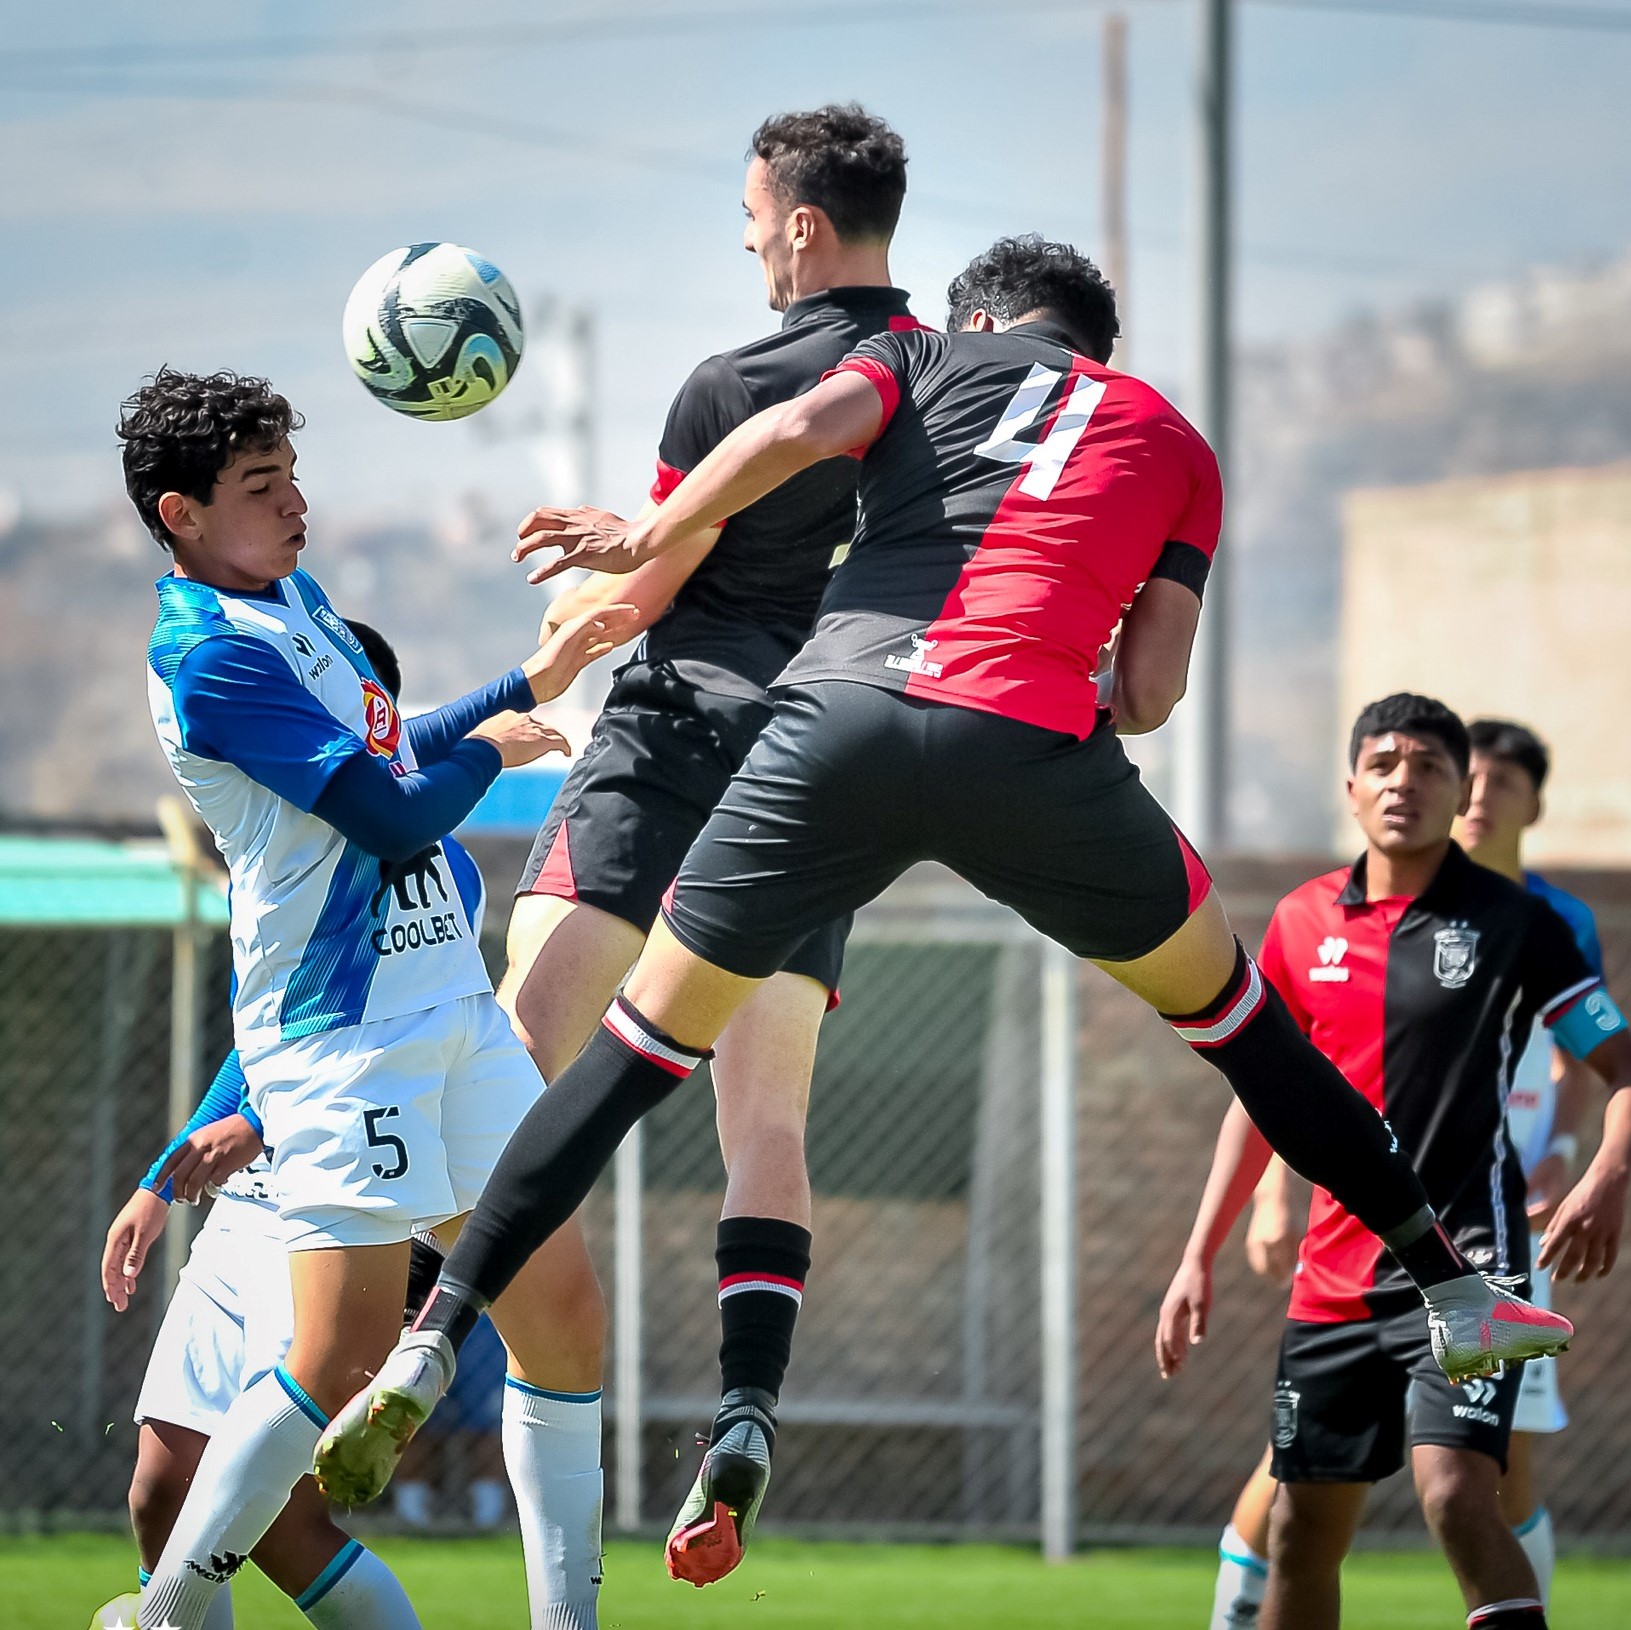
(1584, 1020)
(1184, 563)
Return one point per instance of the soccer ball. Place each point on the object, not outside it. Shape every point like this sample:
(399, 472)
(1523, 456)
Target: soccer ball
(121, 1610)
(433, 330)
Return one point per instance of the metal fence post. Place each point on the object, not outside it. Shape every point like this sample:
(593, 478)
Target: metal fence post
(1058, 1189)
(186, 1016)
(629, 1274)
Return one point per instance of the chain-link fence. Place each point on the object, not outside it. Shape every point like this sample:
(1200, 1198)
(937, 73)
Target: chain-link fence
(922, 1398)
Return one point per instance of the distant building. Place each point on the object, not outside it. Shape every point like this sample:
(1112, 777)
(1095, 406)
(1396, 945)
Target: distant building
(1506, 595)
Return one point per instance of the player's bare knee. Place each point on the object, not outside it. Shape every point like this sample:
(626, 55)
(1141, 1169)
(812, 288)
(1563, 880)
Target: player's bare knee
(1302, 1541)
(1457, 1497)
(155, 1499)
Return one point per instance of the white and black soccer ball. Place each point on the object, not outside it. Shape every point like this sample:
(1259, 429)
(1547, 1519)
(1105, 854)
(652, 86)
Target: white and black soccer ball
(433, 330)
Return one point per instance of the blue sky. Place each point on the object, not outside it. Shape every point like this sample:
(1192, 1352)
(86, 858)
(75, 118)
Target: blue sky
(200, 185)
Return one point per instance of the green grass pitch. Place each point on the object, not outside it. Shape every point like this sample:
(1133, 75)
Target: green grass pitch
(56, 1583)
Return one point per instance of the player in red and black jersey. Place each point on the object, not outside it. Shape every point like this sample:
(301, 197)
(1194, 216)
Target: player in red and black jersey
(1420, 975)
(720, 615)
(1016, 496)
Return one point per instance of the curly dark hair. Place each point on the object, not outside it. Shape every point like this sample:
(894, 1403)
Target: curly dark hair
(1018, 276)
(1411, 715)
(841, 160)
(181, 430)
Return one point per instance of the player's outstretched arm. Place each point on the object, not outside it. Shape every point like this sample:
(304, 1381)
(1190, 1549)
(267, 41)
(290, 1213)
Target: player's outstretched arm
(541, 678)
(1583, 1239)
(1237, 1163)
(837, 416)
(650, 589)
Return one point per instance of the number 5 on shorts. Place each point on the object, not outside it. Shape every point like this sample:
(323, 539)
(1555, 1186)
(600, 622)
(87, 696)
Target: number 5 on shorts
(385, 1140)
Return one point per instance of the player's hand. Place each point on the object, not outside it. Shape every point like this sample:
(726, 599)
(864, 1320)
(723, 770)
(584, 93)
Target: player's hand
(595, 538)
(129, 1240)
(1584, 1236)
(569, 649)
(521, 737)
(1548, 1183)
(1182, 1320)
(1271, 1242)
(212, 1154)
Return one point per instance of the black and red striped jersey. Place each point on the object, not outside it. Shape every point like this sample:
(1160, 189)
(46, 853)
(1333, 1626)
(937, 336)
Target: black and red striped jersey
(1015, 499)
(751, 604)
(1425, 1005)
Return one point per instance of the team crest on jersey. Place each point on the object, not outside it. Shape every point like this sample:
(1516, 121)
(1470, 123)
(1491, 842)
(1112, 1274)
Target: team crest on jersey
(1286, 1399)
(1455, 955)
(336, 626)
(382, 724)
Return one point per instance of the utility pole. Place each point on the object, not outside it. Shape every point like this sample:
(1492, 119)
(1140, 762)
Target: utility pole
(1113, 180)
(1202, 724)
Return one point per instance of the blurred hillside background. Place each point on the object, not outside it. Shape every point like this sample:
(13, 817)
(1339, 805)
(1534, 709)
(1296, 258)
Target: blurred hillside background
(1433, 281)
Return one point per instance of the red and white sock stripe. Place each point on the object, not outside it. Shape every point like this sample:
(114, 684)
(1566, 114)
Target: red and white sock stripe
(626, 1025)
(777, 1284)
(1494, 1610)
(1213, 1029)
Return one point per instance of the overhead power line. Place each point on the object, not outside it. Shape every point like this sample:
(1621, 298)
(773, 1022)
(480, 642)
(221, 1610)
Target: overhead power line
(646, 23)
(1515, 13)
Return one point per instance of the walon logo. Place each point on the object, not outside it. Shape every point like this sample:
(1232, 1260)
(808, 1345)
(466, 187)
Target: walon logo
(1330, 971)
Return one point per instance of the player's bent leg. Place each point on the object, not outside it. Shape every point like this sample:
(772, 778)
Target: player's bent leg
(347, 1303)
(565, 961)
(762, 1070)
(1458, 1493)
(1328, 1132)
(1311, 1527)
(1243, 1553)
(564, 1142)
(167, 1456)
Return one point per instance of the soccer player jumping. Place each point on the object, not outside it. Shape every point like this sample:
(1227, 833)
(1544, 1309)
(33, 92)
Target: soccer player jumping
(1018, 500)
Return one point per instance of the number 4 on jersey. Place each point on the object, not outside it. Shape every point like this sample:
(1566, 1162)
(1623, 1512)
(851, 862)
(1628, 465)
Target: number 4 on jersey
(1046, 458)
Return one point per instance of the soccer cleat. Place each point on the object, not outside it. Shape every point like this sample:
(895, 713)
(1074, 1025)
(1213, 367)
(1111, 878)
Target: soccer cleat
(360, 1447)
(119, 1614)
(716, 1521)
(1477, 1327)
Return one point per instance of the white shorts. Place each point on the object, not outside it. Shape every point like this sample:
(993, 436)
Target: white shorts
(1540, 1404)
(229, 1322)
(380, 1128)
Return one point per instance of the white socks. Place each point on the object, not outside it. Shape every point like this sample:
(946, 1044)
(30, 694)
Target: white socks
(1540, 1546)
(263, 1446)
(356, 1591)
(552, 1453)
(219, 1616)
(1242, 1574)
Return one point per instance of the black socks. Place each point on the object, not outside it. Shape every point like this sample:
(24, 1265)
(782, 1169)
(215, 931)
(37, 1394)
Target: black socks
(551, 1162)
(1316, 1121)
(763, 1263)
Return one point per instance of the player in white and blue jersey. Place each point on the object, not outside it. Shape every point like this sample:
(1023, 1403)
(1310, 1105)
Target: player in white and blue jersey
(230, 1321)
(1549, 1090)
(385, 1075)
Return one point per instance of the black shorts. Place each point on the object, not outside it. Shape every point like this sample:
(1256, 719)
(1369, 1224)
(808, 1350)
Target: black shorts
(1344, 1394)
(850, 784)
(659, 760)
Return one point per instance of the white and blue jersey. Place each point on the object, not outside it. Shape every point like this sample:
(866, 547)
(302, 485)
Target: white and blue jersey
(259, 699)
(1531, 1105)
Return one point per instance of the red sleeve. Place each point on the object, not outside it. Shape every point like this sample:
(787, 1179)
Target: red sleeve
(1271, 962)
(1202, 520)
(884, 380)
(665, 481)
